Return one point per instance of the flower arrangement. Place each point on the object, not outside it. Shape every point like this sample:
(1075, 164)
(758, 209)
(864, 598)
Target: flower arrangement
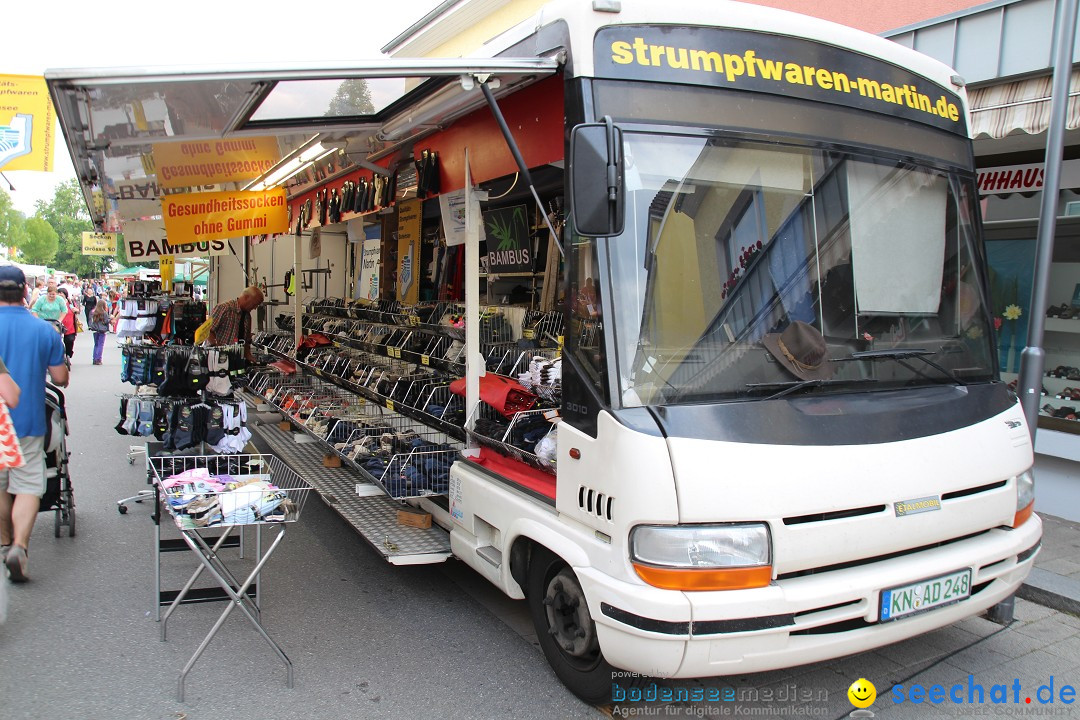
(745, 256)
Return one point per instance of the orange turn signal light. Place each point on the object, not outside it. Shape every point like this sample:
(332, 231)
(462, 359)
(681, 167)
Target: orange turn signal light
(1023, 515)
(700, 579)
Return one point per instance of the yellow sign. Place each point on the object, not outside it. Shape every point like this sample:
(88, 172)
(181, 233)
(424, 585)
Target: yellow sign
(26, 124)
(98, 243)
(167, 270)
(198, 217)
(206, 162)
(408, 226)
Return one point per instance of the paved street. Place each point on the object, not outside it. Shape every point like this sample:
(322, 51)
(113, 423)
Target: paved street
(370, 640)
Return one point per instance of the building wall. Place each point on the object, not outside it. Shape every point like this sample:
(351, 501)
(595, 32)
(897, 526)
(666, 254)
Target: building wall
(874, 16)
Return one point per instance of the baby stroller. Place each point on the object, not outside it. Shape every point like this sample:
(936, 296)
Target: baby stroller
(58, 496)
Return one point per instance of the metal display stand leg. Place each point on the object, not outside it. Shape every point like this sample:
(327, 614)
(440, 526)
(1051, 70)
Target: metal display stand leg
(208, 557)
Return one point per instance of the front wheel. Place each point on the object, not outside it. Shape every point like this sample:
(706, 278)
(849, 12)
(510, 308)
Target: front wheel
(565, 629)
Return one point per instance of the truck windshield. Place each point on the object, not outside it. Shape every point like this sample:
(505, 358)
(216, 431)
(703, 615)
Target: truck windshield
(751, 270)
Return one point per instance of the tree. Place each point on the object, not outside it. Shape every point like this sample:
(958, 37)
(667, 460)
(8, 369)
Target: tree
(12, 223)
(67, 215)
(353, 97)
(41, 243)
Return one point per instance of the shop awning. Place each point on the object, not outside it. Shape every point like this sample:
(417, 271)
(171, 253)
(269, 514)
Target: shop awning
(1022, 106)
(112, 117)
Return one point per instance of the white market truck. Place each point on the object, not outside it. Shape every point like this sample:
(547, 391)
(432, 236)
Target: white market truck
(783, 435)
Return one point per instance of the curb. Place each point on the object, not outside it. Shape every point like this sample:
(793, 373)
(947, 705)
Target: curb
(1052, 590)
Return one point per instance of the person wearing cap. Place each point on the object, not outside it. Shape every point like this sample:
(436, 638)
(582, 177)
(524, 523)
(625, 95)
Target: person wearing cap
(30, 348)
(230, 322)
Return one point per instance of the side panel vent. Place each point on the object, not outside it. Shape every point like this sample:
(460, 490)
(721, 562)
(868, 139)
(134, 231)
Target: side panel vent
(595, 503)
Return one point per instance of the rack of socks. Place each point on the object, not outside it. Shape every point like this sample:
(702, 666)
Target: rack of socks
(540, 372)
(139, 316)
(183, 370)
(184, 423)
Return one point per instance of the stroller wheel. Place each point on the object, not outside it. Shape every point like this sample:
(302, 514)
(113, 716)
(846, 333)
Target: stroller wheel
(57, 522)
(122, 509)
(71, 521)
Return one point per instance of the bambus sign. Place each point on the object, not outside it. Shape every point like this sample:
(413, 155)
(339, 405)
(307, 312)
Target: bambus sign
(98, 243)
(145, 241)
(198, 217)
(207, 162)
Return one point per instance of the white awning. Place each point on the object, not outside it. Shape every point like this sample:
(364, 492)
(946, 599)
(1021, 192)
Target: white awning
(112, 117)
(1022, 106)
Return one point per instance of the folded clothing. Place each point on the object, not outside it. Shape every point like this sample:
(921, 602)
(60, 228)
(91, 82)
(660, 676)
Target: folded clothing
(507, 396)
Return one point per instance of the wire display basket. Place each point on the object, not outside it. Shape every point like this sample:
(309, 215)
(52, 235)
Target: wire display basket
(525, 429)
(202, 491)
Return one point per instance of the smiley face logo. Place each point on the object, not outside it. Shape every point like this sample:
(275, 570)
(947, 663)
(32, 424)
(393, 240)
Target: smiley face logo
(862, 693)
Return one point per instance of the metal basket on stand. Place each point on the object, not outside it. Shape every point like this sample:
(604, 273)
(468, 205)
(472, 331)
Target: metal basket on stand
(250, 489)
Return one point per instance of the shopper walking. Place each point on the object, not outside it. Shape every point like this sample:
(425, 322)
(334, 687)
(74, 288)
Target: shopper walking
(98, 323)
(50, 305)
(30, 348)
(89, 301)
(69, 322)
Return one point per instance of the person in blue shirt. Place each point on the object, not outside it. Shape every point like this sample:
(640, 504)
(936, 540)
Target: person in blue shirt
(30, 348)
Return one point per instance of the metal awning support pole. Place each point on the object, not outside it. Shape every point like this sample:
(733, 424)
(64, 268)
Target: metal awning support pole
(522, 167)
(298, 309)
(1033, 359)
(474, 359)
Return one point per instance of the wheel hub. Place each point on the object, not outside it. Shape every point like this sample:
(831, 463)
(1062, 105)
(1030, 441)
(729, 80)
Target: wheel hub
(568, 618)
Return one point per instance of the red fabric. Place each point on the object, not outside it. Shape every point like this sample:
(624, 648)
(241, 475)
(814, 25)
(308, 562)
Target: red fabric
(517, 472)
(505, 395)
(284, 366)
(313, 340)
(10, 452)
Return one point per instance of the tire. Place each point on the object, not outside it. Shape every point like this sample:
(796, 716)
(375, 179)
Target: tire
(71, 521)
(565, 629)
(122, 509)
(57, 522)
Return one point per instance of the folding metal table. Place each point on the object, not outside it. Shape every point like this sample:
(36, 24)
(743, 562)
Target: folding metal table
(226, 511)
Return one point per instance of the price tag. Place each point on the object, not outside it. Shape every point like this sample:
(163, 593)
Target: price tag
(389, 404)
(396, 352)
(425, 359)
(414, 320)
(528, 333)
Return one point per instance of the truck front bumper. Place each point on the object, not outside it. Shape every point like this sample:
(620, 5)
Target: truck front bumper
(797, 620)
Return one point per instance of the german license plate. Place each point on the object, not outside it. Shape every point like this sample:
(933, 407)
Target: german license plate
(906, 600)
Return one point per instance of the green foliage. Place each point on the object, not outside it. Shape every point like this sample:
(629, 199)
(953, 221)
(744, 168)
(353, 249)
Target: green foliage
(41, 243)
(12, 223)
(66, 214)
(353, 97)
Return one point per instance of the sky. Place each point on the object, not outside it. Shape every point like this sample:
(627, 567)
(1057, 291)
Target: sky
(121, 33)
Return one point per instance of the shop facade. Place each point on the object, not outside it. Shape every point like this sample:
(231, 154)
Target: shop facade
(1003, 52)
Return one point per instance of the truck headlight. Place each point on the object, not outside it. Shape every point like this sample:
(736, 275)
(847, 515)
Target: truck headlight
(1025, 497)
(702, 557)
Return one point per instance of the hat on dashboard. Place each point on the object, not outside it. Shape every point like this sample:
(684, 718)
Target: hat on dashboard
(801, 349)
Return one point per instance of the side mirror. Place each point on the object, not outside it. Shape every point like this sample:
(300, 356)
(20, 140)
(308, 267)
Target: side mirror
(597, 185)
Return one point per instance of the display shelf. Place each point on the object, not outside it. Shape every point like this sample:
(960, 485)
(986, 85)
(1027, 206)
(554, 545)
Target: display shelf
(1062, 325)
(372, 516)
(454, 431)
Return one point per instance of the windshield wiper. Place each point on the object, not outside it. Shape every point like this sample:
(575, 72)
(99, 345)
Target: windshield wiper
(901, 354)
(796, 385)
